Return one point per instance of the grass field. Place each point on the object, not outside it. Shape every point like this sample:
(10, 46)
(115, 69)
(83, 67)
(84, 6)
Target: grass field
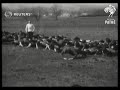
(31, 67)
(92, 27)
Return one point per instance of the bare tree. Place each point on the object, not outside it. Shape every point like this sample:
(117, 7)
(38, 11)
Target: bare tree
(24, 10)
(73, 14)
(3, 13)
(3, 16)
(46, 11)
(56, 11)
(81, 11)
(38, 13)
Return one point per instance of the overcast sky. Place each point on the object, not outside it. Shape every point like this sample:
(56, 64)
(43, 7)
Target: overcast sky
(63, 5)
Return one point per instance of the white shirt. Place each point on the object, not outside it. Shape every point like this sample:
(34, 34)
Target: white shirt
(29, 28)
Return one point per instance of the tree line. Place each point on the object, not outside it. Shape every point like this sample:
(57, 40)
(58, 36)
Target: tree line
(56, 11)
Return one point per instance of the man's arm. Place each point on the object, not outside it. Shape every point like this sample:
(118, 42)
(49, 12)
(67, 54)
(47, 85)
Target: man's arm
(33, 28)
(26, 28)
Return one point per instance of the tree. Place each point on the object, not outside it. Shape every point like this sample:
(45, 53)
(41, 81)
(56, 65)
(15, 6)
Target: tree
(38, 13)
(81, 10)
(3, 13)
(73, 14)
(56, 11)
(23, 10)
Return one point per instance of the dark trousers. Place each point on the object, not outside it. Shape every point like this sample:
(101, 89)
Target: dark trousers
(30, 35)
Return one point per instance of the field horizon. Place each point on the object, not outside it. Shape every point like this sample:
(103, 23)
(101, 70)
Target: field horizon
(69, 27)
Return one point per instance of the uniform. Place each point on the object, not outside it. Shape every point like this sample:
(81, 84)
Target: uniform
(29, 29)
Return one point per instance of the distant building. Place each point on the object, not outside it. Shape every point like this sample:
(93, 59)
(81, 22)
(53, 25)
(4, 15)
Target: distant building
(65, 15)
(44, 15)
(50, 14)
(84, 14)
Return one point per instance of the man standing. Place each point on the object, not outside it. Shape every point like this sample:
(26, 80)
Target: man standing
(29, 29)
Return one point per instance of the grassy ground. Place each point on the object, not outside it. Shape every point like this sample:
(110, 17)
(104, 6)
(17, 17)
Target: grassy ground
(31, 67)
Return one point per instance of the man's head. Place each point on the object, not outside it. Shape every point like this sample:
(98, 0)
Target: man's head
(29, 21)
(110, 5)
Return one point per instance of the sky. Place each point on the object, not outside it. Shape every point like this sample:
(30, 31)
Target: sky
(73, 6)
